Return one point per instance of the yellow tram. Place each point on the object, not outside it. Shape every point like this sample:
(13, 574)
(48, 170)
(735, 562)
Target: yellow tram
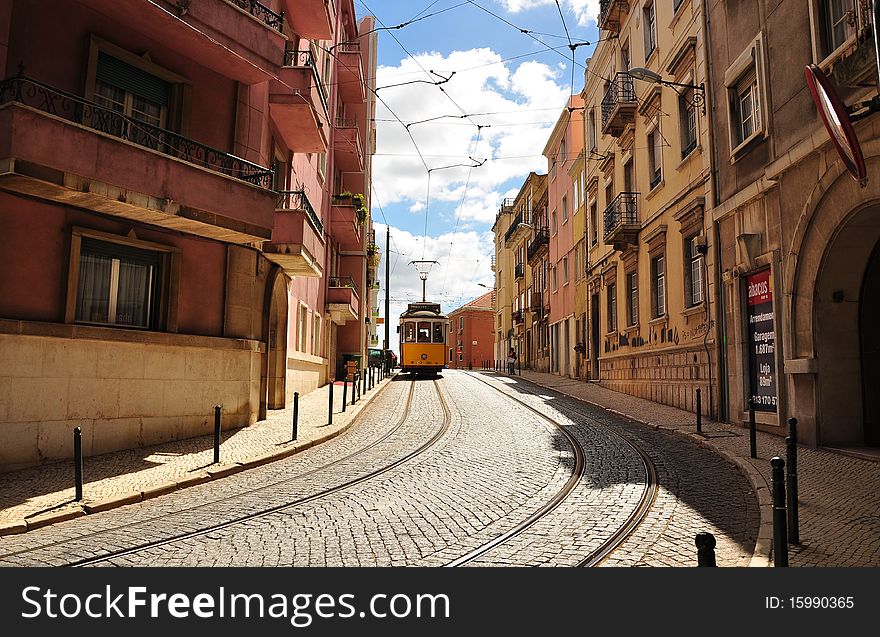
(423, 328)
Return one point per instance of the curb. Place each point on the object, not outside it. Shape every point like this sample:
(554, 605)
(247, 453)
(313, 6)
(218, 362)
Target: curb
(207, 475)
(764, 540)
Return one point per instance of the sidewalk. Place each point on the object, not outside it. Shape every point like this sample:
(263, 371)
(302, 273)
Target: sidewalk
(38, 496)
(839, 495)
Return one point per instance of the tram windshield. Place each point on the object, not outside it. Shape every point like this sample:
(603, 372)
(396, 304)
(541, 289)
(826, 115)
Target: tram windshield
(409, 332)
(424, 332)
(438, 332)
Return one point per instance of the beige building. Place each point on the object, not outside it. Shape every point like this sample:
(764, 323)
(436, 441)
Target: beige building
(649, 293)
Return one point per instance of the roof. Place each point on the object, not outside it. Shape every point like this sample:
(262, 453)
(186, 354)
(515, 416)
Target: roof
(485, 302)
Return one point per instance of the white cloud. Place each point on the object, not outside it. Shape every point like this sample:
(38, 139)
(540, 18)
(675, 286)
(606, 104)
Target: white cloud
(524, 102)
(585, 11)
(464, 263)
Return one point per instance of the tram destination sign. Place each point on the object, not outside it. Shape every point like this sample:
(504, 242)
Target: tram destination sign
(762, 341)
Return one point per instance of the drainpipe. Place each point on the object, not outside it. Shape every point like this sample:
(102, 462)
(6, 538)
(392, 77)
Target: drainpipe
(875, 18)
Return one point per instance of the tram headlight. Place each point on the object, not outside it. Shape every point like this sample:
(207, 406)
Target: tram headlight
(424, 356)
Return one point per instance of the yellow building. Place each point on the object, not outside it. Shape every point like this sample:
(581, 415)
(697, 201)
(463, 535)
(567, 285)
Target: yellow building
(503, 265)
(577, 173)
(648, 176)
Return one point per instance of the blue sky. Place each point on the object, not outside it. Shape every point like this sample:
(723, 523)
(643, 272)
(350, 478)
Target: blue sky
(492, 95)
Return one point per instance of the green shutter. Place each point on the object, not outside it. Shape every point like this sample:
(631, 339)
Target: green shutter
(132, 79)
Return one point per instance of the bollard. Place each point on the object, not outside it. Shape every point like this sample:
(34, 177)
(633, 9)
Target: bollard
(217, 410)
(78, 462)
(699, 412)
(792, 491)
(705, 549)
(753, 443)
(519, 364)
(780, 539)
(330, 408)
(354, 387)
(344, 393)
(364, 383)
(295, 414)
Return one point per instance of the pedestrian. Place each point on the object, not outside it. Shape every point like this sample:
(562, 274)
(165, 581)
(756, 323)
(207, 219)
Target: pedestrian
(511, 361)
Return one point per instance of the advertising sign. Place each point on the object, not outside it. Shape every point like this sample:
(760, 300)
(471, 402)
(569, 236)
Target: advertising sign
(762, 341)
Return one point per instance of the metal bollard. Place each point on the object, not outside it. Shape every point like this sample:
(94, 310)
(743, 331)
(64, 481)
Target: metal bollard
(344, 392)
(705, 549)
(699, 412)
(780, 539)
(330, 407)
(295, 415)
(354, 387)
(217, 410)
(78, 462)
(364, 382)
(753, 443)
(792, 491)
(519, 364)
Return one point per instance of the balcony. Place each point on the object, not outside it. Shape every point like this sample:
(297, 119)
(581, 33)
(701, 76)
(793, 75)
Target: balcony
(492, 263)
(622, 221)
(239, 39)
(298, 103)
(350, 71)
(59, 147)
(347, 216)
(309, 18)
(536, 306)
(347, 147)
(518, 230)
(342, 299)
(618, 105)
(611, 14)
(298, 237)
(518, 271)
(539, 245)
(518, 317)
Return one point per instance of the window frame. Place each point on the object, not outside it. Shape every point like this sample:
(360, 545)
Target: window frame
(632, 298)
(655, 157)
(688, 126)
(747, 69)
(649, 22)
(823, 55)
(658, 286)
(692, 258)
(611, 307)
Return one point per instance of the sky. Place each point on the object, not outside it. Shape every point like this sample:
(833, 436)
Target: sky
(492, 94)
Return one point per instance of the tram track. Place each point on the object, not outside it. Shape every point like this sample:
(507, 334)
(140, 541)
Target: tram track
(406, 412)
(624, 530)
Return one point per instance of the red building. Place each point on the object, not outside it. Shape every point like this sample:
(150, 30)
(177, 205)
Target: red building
(471, 333)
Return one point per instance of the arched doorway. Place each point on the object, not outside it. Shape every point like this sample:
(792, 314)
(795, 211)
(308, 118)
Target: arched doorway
(275, 370)
(846, 307)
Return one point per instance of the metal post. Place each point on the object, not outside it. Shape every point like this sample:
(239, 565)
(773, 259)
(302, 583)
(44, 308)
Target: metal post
(699, 411)
(780, 539)
(217, 410)
(519, 364)
(78, 462)
(295, 414)
(753, 443)
(354, 387)
(792, 494)
(330, 408)
(705, 549)
(344, 392)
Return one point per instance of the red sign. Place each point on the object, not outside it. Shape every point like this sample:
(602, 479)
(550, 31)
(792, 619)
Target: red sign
(759, 288)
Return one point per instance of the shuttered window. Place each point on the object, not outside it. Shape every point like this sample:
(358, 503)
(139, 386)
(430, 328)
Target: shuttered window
(131, 91)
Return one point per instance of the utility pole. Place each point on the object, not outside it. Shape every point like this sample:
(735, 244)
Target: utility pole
(387, 287)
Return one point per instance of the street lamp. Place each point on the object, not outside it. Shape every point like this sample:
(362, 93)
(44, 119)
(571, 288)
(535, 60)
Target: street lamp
(697, 99)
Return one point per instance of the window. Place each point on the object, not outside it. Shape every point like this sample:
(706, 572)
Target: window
(564, 208)
(562, 150)
(624, 57)
(612, 308)
(577, 261)
(676, 4)
(575, 197)
(316, 335)
(650, 26)
(553, 222)
(594, 224)
(592, 128)
(555, 281)
(460, 324)
(632, 298)
(655, 158)
(564, 270)
(303, 327)
(744, 79)
(424, 332)
(658, 286)
(409, 330)
(688, 123)
(693, 272)
(117, 284)
(835, 23)
(438, 332)
(746, 108)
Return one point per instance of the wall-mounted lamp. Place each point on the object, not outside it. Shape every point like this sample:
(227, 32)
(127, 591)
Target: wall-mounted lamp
(697, 99)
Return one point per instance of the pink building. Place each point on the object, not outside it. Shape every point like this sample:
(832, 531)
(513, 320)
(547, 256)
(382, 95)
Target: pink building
(562, 149)
(169, 236)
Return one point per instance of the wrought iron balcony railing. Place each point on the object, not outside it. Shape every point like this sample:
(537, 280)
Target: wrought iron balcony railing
(261, 12)
(342, 282)
(622, 212)
(43, 97)
(621, 90)
(306, 58)
(297, 200)
(541, 239)
(350, 47)
(518, 316)
(518, 219)
(519, 271)
(537, 302)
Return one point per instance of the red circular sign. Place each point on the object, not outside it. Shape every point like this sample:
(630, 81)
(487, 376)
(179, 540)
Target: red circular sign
(836, 118)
